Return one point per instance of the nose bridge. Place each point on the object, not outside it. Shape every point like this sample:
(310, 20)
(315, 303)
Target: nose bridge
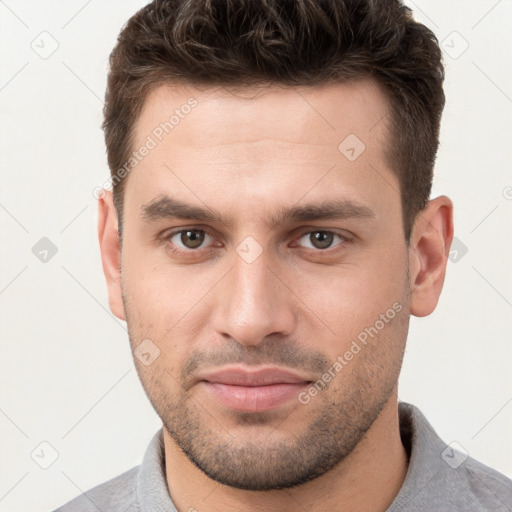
(251, 284)
(252, 305)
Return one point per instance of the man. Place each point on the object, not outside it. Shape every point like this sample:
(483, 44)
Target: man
(268, 236)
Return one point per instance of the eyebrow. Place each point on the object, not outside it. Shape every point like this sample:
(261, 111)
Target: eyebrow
(165, 207)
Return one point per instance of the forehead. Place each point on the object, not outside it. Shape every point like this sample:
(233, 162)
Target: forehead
(303, 115)
(250, 147)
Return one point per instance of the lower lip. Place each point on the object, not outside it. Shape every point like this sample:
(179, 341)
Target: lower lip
(254, 398)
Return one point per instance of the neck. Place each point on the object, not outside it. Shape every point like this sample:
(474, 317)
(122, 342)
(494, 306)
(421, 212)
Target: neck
(368, 479)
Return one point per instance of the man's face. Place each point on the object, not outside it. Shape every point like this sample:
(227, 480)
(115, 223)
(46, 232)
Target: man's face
(265, 278)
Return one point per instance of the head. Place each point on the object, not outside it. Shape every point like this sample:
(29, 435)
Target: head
(278, 216)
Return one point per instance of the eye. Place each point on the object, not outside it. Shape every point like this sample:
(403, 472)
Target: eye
(189, 239)
(320, 239)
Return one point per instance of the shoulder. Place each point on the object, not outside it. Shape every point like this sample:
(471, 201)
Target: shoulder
(441, 478)
(489, 489)
(117, 494)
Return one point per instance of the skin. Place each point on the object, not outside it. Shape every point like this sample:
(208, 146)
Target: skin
(248, 155)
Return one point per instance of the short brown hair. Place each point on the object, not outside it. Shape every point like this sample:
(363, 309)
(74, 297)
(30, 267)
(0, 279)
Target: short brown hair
(288, 42)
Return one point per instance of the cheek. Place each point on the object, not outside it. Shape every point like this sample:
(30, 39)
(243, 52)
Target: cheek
(156, 289)
(166, 304)
(350, 299)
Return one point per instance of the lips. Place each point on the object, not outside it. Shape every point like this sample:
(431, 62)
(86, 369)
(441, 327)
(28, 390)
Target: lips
(238, 376)
(244, 390)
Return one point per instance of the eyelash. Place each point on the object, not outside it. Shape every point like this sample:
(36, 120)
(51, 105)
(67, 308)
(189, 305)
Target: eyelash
(330, 250)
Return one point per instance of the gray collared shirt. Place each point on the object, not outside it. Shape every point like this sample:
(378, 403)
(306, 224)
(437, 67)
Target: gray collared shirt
(439, 479)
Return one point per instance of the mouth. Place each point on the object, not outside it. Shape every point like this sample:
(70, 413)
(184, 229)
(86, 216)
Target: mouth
(243, 390)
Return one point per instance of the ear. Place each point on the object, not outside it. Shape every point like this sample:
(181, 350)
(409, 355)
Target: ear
(429, 249)
(110, 252)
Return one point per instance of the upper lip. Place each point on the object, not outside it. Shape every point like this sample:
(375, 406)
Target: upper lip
(240, 376)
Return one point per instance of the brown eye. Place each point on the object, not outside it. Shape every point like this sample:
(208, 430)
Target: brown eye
(192, 239)
(320, 239)
(189, 238)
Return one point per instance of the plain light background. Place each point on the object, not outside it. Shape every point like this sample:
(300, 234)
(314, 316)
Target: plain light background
(66, 372)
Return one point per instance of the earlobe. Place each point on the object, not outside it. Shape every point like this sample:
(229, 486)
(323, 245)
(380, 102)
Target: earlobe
(110, 252)
(431, 238)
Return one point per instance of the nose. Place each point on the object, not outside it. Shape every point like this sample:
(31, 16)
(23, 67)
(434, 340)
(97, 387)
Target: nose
(254, 303)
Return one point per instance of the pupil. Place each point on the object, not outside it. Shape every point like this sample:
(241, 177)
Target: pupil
(192, 239)
(322, 239)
